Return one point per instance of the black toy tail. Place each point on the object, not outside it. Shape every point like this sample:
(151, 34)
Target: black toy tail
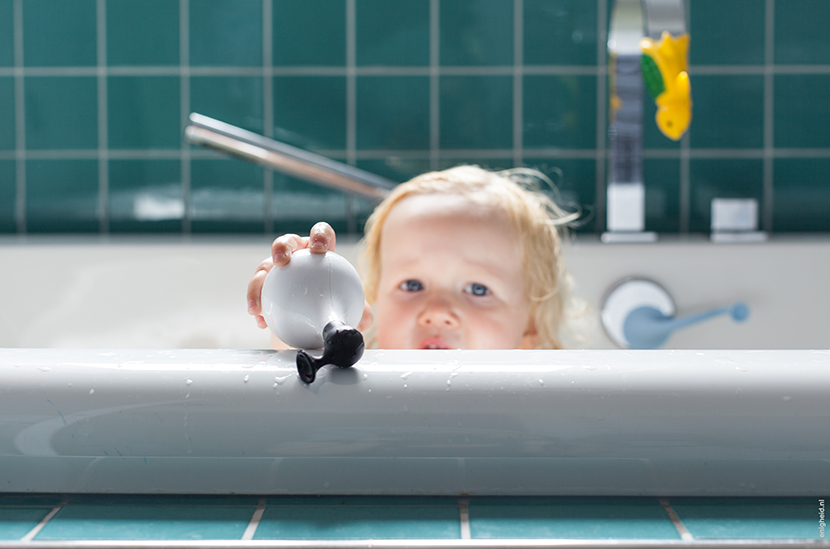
(343, 347)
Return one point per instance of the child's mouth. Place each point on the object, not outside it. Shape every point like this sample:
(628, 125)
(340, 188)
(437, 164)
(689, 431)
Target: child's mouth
(434, 343)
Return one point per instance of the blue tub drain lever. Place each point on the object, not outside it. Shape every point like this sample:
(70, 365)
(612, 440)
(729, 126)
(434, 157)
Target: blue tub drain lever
(639, 314)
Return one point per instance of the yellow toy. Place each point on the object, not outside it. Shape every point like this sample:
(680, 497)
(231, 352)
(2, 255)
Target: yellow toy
(665, 73)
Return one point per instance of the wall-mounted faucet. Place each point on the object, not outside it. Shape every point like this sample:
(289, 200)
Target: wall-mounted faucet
(285, 158)
(640, 314)
(659, 60)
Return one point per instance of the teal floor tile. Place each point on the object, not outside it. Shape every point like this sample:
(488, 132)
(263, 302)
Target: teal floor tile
(16, 522)
(355, 519)
(570, 518)
(778, 518)
(146, 522)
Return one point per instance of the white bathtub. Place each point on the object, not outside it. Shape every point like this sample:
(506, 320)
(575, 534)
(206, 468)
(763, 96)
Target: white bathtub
(595, 422)
(131, 393)
(172, 293)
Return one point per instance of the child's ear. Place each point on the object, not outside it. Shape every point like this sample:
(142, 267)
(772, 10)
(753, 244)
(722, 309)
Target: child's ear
(530, 339)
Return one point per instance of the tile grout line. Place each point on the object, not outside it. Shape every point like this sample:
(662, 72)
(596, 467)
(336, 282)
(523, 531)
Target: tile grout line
(351, 81)
(268, 110)
(601, 120)
(184, 105)
(20, 120)
(685, 190)
(378, 154)
(685, 184)
(518, 81)
(36, 530)
(685, 535)
(464, 511)
(255, 519)
(434, 83)
(351, 106)
(313, 70)
(103, 137)
(768, 188)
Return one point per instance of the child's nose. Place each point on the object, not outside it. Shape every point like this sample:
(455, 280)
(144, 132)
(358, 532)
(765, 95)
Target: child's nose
(438, 314)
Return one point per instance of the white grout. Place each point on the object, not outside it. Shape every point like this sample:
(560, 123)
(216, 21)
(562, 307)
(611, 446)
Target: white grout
(351, 81)
(685, 535)
(769, 118)
(267, 110)
(380, 70)
(464, 512)
(602, 114)
(380, 154)
(434, 83)
(255, 519)
(685, 164)
(518, 84)
(351, 104)
(36, 530)
(685, 184)
(20, 120)
(184, 105)
(103, 141)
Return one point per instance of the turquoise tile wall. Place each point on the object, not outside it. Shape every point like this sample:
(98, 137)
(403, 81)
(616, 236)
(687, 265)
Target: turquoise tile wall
(94, 97)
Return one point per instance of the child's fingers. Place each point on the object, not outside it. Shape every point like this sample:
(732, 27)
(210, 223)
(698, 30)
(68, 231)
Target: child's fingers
(254, 294)
(321, 239)
(283, 246)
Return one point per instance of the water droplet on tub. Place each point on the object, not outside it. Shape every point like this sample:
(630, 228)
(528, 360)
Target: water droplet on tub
(452, 375)
(44, 368)
(406, 375)
(541, 382)
(365, 376)
(92, 391)
(188, 382)
(280, 380)
(246, 378)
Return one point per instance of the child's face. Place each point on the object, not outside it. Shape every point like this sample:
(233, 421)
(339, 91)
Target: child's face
(451, 277)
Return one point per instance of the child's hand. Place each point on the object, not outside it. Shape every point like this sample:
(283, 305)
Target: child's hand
(321, 239)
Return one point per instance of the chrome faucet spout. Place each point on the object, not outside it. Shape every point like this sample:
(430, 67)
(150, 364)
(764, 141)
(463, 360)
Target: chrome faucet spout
(285, 158)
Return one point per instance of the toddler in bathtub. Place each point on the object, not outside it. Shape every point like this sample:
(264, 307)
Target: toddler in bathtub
(463, 258)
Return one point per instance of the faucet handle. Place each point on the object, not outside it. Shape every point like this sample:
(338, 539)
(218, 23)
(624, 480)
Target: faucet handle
(639, 314)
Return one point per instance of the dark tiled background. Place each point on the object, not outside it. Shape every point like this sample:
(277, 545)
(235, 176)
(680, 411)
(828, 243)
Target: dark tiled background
(94, 97)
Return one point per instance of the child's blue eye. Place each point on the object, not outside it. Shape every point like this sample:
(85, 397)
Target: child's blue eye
(411, 286)
(477, 289)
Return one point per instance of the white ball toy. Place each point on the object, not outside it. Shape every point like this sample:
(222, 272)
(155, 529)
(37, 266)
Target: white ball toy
(300, 299)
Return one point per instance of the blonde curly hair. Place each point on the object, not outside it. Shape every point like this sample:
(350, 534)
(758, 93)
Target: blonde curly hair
(536, 218)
